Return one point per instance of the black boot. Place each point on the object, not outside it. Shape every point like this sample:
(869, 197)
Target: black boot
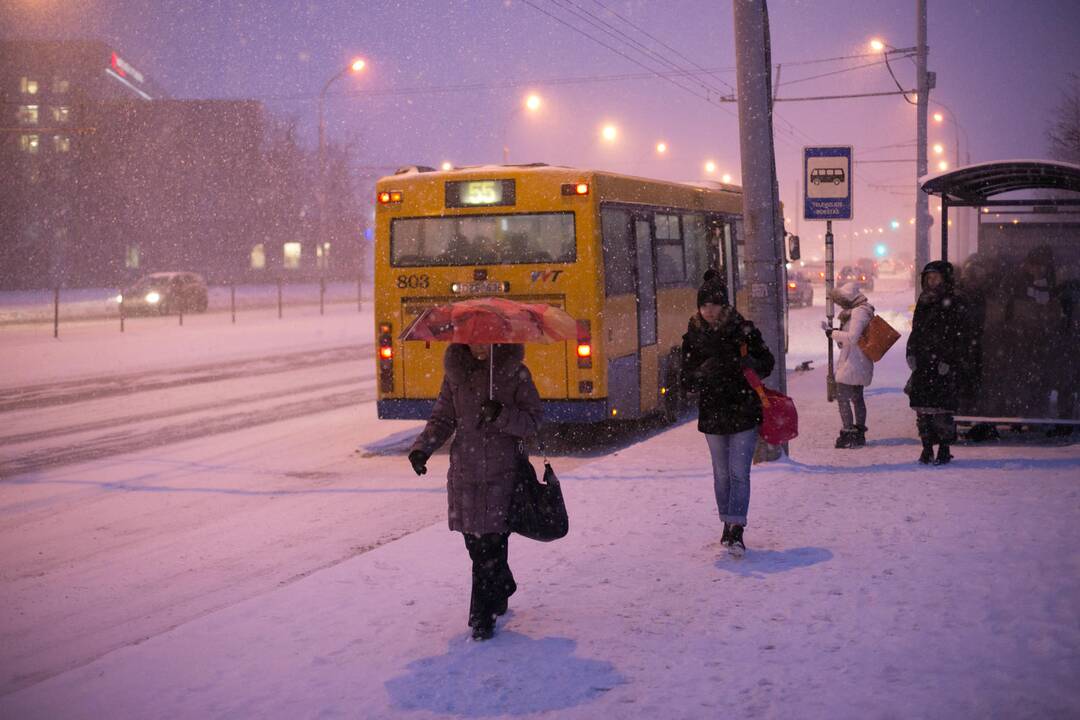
(846, 440)
(725, 539)
(860, 436)
(484, 632)
(737, 547)
(927, 456)
(943, 455)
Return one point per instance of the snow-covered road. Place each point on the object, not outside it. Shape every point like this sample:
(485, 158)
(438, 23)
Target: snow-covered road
(299, 569)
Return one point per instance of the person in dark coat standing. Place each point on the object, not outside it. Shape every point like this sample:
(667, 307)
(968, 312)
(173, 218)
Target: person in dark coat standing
(489, 403)
(717, 345)
(938, 353)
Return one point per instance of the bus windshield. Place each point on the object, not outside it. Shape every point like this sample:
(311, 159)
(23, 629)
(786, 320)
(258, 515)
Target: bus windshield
(483, 239)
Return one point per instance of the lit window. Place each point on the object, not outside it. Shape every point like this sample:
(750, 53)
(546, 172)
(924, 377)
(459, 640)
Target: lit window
(291, 252)
(27, 114)
(131, 257)
(322, 255)
(28, 86)
(61, 114)
(61, 85)
(61, 143)
(258, 257)
(29, 143)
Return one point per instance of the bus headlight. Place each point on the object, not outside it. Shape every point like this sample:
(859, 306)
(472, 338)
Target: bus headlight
(153, 297)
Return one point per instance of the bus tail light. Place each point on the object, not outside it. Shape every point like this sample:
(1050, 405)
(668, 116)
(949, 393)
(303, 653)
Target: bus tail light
(386, 358)
(387, 197)
(575, 188)
(584, 344)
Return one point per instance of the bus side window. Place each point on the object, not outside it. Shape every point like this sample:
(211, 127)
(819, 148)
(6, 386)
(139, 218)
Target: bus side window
(619, 251)
(670, 250)
(696, 238)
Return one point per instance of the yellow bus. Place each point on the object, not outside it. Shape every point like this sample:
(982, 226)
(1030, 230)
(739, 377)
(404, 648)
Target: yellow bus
(621, 254)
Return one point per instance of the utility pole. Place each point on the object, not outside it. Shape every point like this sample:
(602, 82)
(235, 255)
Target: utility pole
(761, 202)
(922, 200)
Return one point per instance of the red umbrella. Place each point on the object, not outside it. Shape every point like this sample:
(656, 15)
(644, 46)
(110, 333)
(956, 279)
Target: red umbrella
(492, 320)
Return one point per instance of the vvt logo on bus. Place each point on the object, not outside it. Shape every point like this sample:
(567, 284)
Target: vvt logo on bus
(546, 275)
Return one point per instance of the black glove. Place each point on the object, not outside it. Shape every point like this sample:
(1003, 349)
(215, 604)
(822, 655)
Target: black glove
(418, 458)
(708, 367)
(489, 410)
(828, 332)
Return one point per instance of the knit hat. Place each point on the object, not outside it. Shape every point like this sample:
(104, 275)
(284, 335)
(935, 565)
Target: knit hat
(713, 289)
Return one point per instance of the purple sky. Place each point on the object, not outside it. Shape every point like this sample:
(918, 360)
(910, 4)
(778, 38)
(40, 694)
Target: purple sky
(1000, 65)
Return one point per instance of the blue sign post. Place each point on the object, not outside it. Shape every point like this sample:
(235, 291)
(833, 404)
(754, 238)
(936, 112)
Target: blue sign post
(827, 196)
(827, 182)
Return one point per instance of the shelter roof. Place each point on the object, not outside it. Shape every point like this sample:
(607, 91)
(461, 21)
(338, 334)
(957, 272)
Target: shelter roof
(976, 183)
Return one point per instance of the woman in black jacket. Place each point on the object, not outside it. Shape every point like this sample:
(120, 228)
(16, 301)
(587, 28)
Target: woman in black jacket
(718, 344)
(939, 352)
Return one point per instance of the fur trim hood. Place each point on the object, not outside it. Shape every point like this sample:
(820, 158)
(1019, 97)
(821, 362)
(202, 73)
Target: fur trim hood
(459, 363)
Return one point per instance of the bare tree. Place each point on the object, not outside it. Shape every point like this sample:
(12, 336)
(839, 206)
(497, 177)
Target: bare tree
(1064, 132)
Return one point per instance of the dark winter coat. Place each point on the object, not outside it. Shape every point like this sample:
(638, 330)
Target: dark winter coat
(940, 345)
(482, 457)
(712, 366)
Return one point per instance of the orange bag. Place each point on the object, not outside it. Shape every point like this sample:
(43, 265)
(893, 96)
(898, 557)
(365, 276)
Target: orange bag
(878, 337)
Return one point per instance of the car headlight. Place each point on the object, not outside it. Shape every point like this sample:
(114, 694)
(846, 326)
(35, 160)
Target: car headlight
(153, 297)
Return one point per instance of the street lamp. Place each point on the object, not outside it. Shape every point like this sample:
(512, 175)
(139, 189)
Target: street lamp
(609, 133)
(531, 104)
(356, 66)
(661, 147)
(710, 167)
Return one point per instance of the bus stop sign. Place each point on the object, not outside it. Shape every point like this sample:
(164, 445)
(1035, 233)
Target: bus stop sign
(827, 183)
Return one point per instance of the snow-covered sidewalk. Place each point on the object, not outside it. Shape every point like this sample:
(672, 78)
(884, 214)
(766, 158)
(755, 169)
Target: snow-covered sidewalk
(873, 588)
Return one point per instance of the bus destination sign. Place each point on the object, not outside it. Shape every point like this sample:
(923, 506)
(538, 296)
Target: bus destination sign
(479, 193)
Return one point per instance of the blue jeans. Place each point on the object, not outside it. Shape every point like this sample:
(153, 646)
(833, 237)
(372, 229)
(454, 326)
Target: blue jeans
(732, 456)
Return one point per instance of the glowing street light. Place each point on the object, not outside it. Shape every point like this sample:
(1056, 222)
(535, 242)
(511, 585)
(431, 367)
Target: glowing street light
(530, 104)
(877, 45)
(710, 167)
(447, 165)
(938, 117)
(661, 147)
(943, 165)
(895, 224)
(355, 67)
(609, 133)
(725, 178)
(938, 148)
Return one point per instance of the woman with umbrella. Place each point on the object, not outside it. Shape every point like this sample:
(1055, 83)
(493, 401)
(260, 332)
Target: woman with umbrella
(489, 403)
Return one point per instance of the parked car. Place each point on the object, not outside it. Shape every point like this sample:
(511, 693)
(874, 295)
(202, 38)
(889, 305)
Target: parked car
(800, 293)
(164, 293)
(814, 272)
(860, 277)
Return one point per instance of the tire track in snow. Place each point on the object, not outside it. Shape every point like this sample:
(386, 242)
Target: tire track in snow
(95, 388)
(117, 443)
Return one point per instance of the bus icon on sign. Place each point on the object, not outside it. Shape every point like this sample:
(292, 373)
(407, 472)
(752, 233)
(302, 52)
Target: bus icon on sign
(827, 175)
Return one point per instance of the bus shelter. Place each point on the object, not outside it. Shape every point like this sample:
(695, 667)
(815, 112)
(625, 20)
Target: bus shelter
(1023, 297)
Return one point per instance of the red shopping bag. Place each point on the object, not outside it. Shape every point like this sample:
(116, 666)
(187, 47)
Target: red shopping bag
(780, 421)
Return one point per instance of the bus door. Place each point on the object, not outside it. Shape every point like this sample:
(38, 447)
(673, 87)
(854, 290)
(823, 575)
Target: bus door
(646, 311)
(723, 252)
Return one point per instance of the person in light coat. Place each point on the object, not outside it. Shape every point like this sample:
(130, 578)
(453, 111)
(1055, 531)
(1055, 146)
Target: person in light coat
(854, 370)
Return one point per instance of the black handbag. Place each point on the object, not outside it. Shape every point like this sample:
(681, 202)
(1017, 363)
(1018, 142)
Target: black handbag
(537, 510)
